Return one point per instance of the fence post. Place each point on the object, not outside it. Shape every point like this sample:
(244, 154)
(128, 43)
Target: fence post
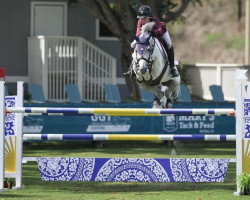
(240, 75)
(19, 145)
(2, 134)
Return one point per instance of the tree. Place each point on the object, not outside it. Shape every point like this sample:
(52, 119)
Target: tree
(120, 17)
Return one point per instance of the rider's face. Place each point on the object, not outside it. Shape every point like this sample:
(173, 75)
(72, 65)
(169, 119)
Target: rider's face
(145, 20)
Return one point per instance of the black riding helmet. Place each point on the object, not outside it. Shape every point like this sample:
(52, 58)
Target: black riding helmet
(144, 11)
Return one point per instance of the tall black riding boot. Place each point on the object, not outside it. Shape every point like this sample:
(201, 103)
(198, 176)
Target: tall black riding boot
(173, 70)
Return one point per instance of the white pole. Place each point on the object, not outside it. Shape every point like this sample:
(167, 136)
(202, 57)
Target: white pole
(240, 75)
(247, 33)
(239, 130)
(19, 146)
(2, 134)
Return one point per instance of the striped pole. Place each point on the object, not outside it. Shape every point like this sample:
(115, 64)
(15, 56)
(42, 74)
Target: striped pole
(137, 137)
(123, 111)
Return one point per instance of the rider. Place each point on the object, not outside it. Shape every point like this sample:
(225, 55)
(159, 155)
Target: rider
(160, 30)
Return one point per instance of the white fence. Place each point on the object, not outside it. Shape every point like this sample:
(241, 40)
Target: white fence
(201, 76)
(55, 62)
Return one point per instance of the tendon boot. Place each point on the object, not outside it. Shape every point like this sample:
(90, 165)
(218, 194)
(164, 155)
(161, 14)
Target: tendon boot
(168, 103)
(157, 103)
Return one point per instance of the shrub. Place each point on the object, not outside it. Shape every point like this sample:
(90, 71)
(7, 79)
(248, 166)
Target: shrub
(244, 183)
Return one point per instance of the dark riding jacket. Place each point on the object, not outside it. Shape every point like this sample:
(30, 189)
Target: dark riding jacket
(159, 28)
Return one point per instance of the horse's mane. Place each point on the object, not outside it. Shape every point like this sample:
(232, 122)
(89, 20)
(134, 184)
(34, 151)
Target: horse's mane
(147, 27)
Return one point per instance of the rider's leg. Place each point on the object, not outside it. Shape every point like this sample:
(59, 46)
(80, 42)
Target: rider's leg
(170, 51)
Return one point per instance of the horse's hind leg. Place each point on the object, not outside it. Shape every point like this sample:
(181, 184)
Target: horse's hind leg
(172, 91)
(156, 90)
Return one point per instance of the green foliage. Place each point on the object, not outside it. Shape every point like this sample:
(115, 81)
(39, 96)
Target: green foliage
(183, 73)
(10, 181)
(213, 37)
(235, 42)
(244, 183)
(112, 6)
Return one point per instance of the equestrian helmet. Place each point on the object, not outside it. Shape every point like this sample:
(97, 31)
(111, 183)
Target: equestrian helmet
(144, 11)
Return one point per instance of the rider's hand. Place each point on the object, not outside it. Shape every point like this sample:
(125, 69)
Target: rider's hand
(153, 33)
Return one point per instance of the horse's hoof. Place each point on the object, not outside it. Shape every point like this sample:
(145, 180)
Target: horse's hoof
(157, 103)
(169, 103)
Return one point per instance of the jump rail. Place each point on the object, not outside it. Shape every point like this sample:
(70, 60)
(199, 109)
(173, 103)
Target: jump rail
(141, 137)
(122, 111)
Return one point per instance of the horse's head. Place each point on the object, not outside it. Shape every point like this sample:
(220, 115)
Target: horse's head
(144, 52)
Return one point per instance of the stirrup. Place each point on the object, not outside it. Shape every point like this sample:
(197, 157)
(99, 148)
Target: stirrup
(174, 73)
(129, 73)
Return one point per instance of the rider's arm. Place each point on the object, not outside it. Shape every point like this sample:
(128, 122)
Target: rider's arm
(139, 25)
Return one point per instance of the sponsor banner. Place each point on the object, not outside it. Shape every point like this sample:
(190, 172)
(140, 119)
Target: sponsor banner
(132, 125)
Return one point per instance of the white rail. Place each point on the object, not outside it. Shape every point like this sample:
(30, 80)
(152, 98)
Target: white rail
(57, 61)
(202, 75)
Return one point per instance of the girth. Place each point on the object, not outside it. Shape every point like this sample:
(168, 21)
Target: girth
(158, 79)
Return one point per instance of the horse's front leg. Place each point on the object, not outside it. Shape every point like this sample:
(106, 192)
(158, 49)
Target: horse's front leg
(147, 76)
(139, 76)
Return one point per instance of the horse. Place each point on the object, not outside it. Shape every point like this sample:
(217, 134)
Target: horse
(151, 67)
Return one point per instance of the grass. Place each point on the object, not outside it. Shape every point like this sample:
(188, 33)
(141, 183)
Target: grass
(213, 37)
(37, 189)
(236, 42)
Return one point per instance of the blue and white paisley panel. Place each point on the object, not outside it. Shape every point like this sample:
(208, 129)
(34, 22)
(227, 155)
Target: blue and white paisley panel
(131, 170)
(66, 169)
(199, 170)
(247, 119)
(10, 128)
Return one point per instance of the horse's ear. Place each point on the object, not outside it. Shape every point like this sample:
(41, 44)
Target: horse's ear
(136, 38)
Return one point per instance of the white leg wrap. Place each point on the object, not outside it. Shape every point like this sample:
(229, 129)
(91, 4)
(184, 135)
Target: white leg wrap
(163, 101)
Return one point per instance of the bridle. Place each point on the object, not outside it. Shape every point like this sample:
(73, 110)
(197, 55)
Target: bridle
(148, 60)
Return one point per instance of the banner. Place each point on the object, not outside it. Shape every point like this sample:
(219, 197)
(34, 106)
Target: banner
(133, 169)
(132, 125)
